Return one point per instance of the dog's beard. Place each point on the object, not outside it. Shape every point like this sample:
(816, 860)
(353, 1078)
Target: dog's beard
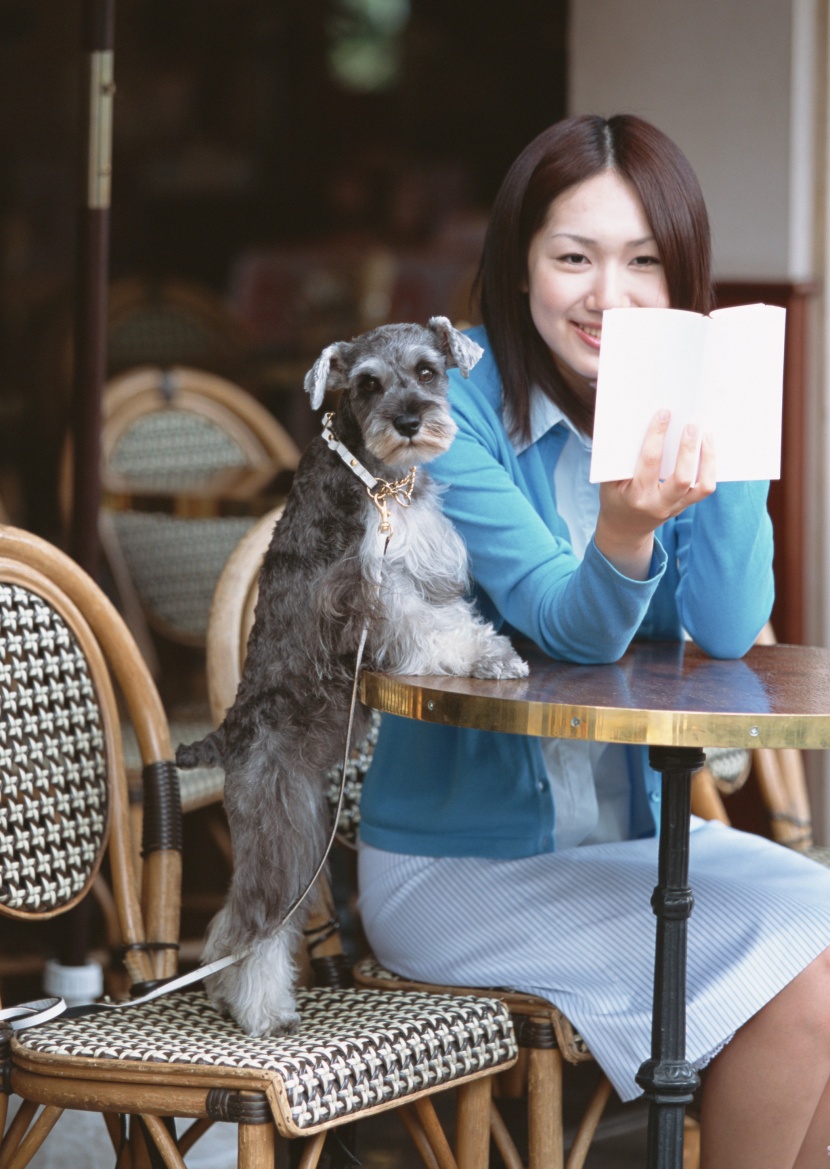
(433, 438)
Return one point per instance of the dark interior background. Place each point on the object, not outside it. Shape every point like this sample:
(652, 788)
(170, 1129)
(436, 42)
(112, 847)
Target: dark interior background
(246, 127)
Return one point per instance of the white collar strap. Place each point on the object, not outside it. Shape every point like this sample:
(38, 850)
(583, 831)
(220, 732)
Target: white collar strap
(346, 455)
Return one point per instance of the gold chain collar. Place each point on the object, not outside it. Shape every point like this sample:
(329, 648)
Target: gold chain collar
(400, 491)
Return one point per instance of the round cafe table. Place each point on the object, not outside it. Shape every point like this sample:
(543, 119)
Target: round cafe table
(676, 700)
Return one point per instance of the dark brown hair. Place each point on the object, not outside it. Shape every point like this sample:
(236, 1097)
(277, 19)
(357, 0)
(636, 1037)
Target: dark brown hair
(568, 153)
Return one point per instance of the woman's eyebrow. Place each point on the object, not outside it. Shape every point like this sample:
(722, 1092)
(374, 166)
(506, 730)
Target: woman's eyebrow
(585, 240)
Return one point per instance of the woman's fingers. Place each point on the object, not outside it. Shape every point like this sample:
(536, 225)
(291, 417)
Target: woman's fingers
(688, 457)
(707, 476)
(651, 452)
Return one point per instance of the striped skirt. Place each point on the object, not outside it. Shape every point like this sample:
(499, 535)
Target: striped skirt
(577, 928)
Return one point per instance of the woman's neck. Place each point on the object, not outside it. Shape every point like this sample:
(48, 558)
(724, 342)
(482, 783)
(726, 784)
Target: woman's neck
(580, 387)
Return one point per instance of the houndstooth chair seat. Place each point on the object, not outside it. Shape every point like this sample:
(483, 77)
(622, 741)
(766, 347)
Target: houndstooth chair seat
(350, 1056)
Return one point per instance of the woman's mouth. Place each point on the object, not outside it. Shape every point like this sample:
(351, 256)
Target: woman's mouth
(590, 334)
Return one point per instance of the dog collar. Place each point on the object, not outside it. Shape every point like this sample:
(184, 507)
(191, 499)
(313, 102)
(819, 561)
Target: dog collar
(379, 490)
(346, 455)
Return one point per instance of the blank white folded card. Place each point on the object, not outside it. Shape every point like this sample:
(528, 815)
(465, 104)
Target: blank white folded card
(724, 372)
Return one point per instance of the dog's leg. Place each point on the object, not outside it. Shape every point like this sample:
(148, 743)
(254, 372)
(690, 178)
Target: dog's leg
(206, 752)
(425, 625)
(258, 991)
(277, 822)
(447, 639)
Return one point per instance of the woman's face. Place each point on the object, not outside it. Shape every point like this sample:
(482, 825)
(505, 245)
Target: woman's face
(594, 251)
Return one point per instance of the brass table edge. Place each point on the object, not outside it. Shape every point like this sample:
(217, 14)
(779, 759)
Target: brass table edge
(410, 698)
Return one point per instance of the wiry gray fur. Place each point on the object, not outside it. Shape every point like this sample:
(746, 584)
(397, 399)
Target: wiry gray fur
(317, 590)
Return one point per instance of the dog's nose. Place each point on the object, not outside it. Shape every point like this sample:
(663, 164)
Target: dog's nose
(407, 424)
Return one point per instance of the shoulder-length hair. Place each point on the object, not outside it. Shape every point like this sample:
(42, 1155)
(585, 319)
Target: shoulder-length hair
(568, 153)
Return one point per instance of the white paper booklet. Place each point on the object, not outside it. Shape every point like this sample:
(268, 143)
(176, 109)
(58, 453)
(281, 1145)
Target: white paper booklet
(724, 372)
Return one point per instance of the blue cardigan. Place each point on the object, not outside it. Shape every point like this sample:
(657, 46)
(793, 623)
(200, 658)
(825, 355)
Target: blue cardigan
(447, 791)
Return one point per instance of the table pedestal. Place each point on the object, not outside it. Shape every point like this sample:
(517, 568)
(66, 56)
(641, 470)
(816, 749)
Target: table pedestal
(668, 1079)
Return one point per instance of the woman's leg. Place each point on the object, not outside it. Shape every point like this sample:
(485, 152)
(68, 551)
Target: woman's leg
(766, 1100)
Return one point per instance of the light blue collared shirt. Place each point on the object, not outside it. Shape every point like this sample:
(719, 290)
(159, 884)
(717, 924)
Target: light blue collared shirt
(589, 781)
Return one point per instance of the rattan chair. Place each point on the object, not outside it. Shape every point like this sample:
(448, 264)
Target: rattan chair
(185, 457)
(63, 813)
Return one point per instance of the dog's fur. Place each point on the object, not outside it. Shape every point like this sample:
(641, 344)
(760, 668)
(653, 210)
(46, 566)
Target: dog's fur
(317, 590)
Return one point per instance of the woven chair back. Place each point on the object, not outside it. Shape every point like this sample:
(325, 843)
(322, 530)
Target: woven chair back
(172, 322)
(185, 457)
(63, 796)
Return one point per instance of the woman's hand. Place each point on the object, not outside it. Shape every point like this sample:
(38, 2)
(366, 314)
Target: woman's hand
(631, 509)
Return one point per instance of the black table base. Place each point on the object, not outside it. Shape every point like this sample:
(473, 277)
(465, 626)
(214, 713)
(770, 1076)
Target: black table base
(668, 1079)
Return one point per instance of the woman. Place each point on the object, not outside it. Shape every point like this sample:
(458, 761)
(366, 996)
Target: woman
(502, 860)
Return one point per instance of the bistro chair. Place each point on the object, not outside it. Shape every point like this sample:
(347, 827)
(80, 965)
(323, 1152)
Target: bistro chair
(186, 459)
(64, 815)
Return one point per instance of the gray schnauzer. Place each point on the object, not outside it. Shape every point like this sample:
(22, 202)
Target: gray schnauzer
(361, 550)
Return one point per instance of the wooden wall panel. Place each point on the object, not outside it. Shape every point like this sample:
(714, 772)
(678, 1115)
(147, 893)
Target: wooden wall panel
(787, 495)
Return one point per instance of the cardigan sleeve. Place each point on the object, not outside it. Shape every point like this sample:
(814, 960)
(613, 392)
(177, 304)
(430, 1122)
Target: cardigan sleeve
(724, 553)
(711, 570)
(520, 555)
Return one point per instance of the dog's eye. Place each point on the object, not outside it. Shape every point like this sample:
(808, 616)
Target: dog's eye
(370, 384)
(425, 373)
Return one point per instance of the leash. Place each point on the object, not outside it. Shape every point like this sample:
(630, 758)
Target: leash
(40, 1011)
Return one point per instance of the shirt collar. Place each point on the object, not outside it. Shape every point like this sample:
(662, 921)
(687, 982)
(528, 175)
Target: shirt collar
(544, 415)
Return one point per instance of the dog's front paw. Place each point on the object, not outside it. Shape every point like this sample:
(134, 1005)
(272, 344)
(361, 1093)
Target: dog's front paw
(501, 661)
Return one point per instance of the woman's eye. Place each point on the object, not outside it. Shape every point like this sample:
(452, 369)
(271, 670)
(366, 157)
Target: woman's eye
(425, 374)
(646, 261)
(574, 258)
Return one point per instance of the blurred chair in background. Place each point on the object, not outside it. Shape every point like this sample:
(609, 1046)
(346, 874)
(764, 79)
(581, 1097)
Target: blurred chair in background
(173, 322)
(186, 459)
(781, 783)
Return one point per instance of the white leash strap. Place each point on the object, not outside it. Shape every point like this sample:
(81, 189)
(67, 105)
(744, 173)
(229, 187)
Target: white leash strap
(30, 1014)
(43, 1010)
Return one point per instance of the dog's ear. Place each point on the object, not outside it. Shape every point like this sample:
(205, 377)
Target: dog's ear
(457, 347)
(324, 371)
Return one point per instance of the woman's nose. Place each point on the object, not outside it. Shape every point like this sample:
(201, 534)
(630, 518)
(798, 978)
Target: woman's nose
(607, 290)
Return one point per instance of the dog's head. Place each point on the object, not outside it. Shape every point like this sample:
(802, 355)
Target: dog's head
(393, 380)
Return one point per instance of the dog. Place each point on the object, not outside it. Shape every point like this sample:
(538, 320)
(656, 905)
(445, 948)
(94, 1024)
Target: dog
(347, 560)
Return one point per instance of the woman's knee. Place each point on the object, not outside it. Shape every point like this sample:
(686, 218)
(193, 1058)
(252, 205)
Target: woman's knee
(803, 1006)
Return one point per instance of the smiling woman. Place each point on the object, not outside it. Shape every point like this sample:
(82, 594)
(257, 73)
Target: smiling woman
(549, 847)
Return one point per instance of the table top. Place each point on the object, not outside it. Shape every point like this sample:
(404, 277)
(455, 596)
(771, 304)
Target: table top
(659, 693)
